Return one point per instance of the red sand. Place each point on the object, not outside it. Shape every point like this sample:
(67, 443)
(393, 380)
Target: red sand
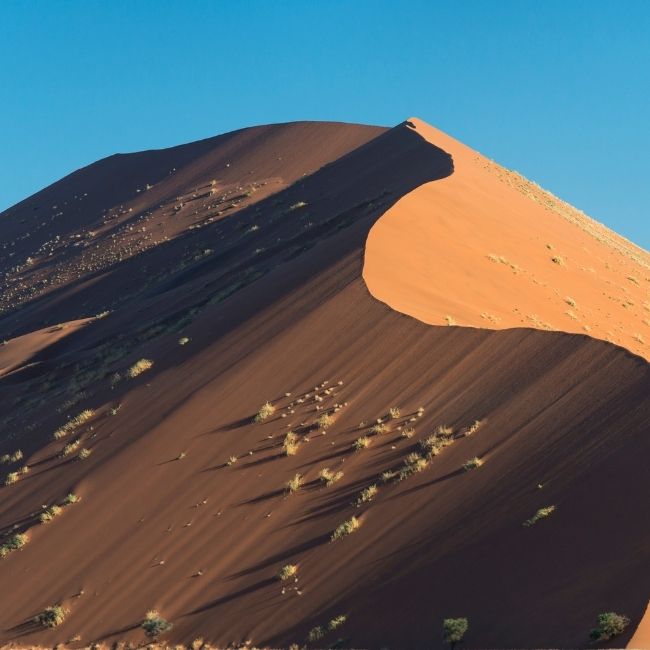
(279, 306)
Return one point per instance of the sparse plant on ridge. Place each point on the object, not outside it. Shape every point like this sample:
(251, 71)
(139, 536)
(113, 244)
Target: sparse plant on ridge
(316, 633)
(50, 513)
(84, 453)
(394, 412)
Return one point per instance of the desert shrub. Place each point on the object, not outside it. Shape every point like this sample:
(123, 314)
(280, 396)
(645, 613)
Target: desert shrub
(70, 498)
(316, 633)
(231, 461)
(413, 464)
(361, 443)
(73, 423)
(139, 367)
(408, 432)
(71, 447)
(12, 478)
(346, 528)
(444, 431)
(51, 616)
(394, 412)
(557, 259)
(454, 629)
(474, 427)
(325, 420)
(84, 453)
(388, 475)
(184, 340)
(327, 476)
(295, 483)
(14, 543)
(472, 463)
(610, 624)
(50, 513)
(296, 206)
(368, 494)
(9, 459)
(287, 571)
(336, 622)
(379, 427)
(542, 513)
(154, 624)
(290, 444)
(266, 411)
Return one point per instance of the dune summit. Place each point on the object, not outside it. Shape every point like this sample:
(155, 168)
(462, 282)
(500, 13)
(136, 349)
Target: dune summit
(316, 384)
(487, 248)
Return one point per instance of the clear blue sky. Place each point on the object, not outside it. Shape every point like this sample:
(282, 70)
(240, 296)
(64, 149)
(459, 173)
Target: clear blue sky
(559, 89)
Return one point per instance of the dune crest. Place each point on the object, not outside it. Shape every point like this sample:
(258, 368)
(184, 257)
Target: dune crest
(487, 248)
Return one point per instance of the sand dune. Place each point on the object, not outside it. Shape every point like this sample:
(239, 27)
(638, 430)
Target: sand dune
(183, 501)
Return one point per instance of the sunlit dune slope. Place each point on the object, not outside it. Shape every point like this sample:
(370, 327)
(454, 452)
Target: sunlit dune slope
(486, 248)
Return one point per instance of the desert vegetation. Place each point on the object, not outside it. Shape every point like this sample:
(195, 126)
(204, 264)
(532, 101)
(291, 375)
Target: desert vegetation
(139, 367)
(287, 571)
(154, 624)
(51, 616)
(454, 630)
(542, 513)
(73, 423)
(13, 543)
(329, 477)
(472, 463)
(346, 528)
(610, 624)
(265, 412)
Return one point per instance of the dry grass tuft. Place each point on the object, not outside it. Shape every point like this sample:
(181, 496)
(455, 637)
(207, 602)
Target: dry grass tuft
(139, 367)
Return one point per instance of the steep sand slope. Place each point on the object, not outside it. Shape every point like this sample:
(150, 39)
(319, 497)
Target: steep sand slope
(165, 522)
(486, 248)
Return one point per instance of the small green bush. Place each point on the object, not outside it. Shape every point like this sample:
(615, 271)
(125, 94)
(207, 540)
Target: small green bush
(154, 624)
(51, 616)
(316, 633)
(454, 629)
(610, 624)
(14, 543)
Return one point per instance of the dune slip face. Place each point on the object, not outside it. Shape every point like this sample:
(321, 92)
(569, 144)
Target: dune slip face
(234, 433)
(487, 248)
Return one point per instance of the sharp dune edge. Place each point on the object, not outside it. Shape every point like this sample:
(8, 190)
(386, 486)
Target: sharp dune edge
(254, 249)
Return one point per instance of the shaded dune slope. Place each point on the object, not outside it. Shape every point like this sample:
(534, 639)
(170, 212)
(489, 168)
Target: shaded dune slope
(282, 309)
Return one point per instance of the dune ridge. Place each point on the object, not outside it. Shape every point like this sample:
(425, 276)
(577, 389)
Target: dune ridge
(471, 251)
